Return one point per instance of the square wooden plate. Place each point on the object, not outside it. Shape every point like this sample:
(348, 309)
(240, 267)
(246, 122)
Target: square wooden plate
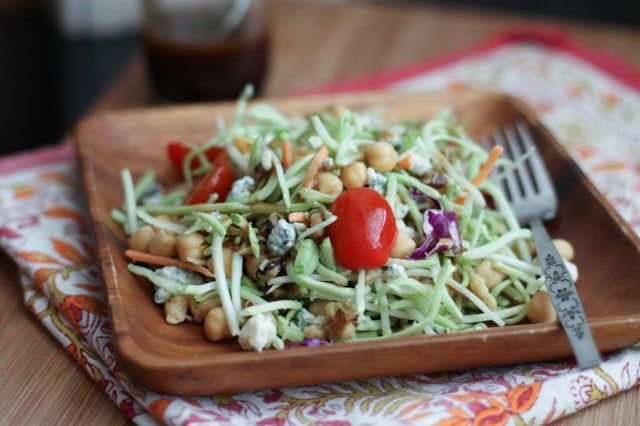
(178, 359)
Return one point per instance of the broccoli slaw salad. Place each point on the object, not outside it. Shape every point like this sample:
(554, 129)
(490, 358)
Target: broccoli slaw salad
(338, 226)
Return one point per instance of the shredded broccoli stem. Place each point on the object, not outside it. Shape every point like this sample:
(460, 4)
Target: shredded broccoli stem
(159, 223)
(330, 291)
(326, 255)
(299, 165)
(414, 212)
(286, 197)
(392, 189)
(497, 244)
(171, 286)
(130, 200)
(221, 283)
(270, 307)
(236, 278)
(264, 192)
(360, 292)
(143, 185)
(119, 217)
(312, 195)
(256, 152)
(330, 275)
(212, 221)
(401, 298)
(317, 227)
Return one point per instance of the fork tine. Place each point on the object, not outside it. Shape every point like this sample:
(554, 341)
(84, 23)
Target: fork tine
(521, 170)
(538, 169)
(514, 191)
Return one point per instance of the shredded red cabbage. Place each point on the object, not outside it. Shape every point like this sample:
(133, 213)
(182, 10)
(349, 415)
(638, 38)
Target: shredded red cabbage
(418, 195)
(441, 234)
(310, 343)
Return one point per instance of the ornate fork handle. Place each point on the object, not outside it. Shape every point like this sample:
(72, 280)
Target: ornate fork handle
(565, 298)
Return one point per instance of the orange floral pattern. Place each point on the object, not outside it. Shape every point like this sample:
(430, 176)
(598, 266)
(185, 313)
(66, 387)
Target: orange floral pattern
(44, 228)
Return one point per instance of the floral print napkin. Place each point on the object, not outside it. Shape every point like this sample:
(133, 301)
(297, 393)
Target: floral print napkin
(43, 226)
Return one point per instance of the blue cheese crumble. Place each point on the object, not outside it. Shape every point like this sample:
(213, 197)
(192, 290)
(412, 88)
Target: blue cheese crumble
(161, 296)
(395, 270)
(420, 165)
(282, 238)
(179, 275)
(242, 188)
(304, 318)
(376, 181)
(258, 333)
(328, 163)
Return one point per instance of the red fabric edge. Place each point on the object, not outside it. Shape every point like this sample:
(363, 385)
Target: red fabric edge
(36, 157)
(548, 36)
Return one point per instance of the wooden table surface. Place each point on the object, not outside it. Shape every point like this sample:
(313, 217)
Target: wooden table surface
(314, 44)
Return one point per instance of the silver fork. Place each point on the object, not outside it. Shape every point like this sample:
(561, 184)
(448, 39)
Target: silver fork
(533, 199)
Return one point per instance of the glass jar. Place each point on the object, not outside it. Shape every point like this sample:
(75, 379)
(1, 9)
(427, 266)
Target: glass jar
(205, 49)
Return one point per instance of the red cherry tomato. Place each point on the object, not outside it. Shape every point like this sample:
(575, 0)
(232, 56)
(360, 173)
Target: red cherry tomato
(365, 232)
(218, 180)
(176, 151)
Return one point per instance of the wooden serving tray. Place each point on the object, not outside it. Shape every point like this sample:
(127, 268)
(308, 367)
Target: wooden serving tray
(178, 359)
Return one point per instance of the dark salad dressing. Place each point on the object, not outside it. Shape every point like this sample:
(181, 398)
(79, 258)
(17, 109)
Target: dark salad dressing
(191, 62)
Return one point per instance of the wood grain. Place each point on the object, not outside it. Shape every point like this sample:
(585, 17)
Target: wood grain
(41, 383)
(408, 34)
(181, 360)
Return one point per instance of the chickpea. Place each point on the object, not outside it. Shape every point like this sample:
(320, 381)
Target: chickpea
(200, 310)
(141, 238)
(226, 260)
(315, 332)
(541, 309)
(215, 325)
(339, 321)
(404, 246)
(354, 175)
(478, 285)
(348, 331)
(565, 249)
(175, 310)
(492, 277)
(243, 145)
(251, 264)
(329, 183)
(163, 243)
(315, 219)
(190, 246)
(317, 306)
(382, 156)
(336, 110)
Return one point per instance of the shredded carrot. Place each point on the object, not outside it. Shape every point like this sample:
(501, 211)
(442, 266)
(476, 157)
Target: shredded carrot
(287, 154)
(296, 217)
(139, 256)
(315, 165)
(405, 163)
(485, 169)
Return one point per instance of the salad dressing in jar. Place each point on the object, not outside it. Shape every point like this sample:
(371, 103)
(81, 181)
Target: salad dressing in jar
(205, 49)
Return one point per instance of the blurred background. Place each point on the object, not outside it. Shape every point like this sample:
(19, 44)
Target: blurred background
(58, 56)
